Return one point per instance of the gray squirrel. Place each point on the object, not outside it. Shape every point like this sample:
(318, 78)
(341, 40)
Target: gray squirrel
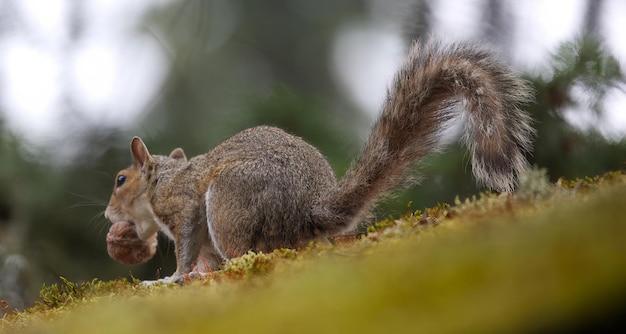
(264, 189)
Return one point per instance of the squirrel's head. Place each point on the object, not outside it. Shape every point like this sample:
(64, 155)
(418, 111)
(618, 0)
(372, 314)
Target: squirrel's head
(130, 199)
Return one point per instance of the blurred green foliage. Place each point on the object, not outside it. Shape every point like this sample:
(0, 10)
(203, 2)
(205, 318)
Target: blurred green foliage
(239, 64)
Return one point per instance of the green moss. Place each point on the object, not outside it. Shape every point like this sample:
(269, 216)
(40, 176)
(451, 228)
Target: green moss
(254, 264)
(381, 225)
(67, 292)
(592, 183)
(548, 258)
(60, 298)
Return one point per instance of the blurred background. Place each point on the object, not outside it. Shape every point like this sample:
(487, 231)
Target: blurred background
(78, 78)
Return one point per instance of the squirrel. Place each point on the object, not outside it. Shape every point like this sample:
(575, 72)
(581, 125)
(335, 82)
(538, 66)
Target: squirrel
(264, 189)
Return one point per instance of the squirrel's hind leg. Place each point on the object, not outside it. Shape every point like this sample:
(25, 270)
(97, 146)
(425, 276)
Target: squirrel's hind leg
(226, 222)
(208, 260)
(258, 206)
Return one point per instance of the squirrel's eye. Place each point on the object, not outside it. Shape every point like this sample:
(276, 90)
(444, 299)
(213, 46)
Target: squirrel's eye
(120, 180)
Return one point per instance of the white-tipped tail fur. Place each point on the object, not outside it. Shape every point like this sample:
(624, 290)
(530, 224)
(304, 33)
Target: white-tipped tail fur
(419, 105)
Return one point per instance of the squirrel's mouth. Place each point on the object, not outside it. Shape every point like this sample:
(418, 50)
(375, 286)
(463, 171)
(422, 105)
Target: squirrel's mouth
(139, 232)
(145, 230)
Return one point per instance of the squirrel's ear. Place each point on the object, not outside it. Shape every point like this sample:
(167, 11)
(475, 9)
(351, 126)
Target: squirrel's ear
(178, 154)
(139, 151)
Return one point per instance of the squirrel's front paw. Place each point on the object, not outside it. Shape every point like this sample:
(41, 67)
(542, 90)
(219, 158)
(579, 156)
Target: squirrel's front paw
(174, 279)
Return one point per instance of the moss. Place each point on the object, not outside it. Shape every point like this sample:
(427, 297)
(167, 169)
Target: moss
(254, 264)
(67, 292)
(592, 183)
(381, 225)
(60, 298)
(549, 258)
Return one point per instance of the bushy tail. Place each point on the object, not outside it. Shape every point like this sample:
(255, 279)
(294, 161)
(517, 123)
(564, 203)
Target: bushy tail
(418, 107)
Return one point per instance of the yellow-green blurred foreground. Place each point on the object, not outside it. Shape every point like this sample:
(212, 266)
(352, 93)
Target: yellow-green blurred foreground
(549, 258)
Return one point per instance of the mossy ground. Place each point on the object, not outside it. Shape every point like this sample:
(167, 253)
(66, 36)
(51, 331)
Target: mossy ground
(548, 258)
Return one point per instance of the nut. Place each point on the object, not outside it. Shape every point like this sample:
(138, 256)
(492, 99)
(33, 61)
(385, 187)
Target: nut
(124, 245)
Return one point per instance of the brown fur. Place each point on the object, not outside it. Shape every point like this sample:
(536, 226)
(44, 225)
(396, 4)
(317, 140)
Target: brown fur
(263, 188)
(419, 106)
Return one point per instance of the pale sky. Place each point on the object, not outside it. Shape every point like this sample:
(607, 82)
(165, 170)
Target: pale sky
(114, 72)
